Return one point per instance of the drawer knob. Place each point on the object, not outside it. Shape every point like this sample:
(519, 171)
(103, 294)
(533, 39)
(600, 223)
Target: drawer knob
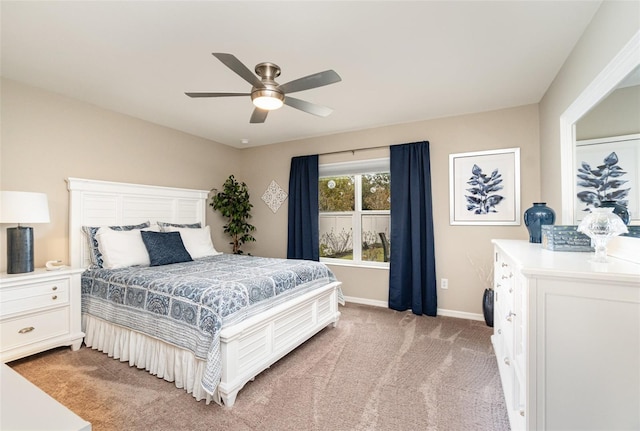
(510, 316)
(511, 290)
(522, 413)
(54, 288)
(499, 331)
(26, 330)
(504, 265)
(507, 361)
(54, 297)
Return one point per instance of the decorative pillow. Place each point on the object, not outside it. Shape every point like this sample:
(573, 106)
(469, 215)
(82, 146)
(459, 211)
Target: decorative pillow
(121, 249)
(165, 248)
(164, 226)
(94, 252)
(196, 241)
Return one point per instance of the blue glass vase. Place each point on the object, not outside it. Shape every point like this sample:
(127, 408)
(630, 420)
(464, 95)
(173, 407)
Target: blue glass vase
(536, 216)
(618, 209)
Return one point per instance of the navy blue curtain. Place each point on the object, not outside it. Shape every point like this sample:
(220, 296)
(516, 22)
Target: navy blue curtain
(303, 233)
(412, 266)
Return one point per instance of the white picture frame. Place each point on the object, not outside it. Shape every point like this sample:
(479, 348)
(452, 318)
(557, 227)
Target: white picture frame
(484, 187)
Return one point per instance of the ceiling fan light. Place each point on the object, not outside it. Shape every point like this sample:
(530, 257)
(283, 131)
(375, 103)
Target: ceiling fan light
(267, 99)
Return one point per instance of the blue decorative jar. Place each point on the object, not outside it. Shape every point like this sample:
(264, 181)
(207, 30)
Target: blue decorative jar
(536, 216)
(618, 209)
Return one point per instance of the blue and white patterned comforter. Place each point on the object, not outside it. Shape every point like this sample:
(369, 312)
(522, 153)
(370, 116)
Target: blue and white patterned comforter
(187, 304)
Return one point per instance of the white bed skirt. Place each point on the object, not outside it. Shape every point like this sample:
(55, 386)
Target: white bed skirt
(247, 348)
(161, 359)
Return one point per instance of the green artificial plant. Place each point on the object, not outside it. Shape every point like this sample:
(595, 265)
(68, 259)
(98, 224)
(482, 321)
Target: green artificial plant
(233, 203)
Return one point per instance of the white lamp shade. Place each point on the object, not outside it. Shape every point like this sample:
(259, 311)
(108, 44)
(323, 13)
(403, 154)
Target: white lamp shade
(23, 207)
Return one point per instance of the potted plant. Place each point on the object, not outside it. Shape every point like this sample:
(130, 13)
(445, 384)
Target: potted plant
(233, 203)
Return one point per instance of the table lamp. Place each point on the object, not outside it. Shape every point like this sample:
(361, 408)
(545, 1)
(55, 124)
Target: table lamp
(601, 224)
(20, 208)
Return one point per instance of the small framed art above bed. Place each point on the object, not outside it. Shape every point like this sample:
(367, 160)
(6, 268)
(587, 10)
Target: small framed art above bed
(158, 295)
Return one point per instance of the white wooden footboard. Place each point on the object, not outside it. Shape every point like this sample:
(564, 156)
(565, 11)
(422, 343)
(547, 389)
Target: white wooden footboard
(250, 347)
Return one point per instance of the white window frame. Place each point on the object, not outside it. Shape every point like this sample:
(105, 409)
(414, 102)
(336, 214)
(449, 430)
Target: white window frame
(356, 169)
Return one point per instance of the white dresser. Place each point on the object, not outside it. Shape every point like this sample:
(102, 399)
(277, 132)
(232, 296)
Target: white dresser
(38, 311)
(25, 407)
(567, 338)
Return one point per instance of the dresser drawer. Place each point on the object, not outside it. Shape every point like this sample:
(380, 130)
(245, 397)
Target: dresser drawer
(504, 281)
(34, 296)
(34, 327)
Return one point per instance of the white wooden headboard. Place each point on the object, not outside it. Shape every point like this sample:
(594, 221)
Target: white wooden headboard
(99, 203)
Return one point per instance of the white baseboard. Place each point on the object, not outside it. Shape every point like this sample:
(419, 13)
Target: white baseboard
(460, 314)
(441, 311)
(365, 301)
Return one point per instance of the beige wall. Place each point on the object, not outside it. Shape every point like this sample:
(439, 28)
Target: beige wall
(455, 245)
(611, 28)
(617, 115)
(46, 138)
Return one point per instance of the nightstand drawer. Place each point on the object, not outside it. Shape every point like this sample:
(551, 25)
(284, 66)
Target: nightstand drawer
(35, 327)
(33, 296)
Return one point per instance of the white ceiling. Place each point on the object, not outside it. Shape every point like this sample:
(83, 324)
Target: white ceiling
(399, 61)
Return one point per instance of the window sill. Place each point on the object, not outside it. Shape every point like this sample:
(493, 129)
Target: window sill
(355, 265)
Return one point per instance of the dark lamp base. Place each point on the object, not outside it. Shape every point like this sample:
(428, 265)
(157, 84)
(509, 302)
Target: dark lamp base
(19, 250)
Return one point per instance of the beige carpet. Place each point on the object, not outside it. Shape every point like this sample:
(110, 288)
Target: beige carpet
(378, 370)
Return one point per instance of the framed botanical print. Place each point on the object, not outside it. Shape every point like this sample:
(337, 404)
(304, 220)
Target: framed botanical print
(484, 187)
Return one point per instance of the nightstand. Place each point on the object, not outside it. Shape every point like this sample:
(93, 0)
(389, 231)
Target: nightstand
(39, 310)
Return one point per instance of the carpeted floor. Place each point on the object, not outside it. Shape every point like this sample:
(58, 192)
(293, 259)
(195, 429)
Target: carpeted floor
(378, 370)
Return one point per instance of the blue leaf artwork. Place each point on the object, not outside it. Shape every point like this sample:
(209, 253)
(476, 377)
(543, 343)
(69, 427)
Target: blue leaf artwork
(605, 181)
(482, 198)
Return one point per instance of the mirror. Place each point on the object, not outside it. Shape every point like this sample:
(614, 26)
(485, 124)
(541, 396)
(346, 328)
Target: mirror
(618, 73)
(607, 150)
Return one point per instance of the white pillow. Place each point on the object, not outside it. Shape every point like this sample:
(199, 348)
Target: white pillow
(121, 249)
(196, 241)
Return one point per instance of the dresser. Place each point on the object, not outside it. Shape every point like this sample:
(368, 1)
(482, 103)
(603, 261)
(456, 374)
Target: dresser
(39, 310)
(566, 338)
(27, 408)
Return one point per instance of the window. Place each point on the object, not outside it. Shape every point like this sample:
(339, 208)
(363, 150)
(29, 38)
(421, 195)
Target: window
(354, 201)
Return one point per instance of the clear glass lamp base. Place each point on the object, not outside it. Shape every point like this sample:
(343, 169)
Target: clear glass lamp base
(601, 225)
(601, 251)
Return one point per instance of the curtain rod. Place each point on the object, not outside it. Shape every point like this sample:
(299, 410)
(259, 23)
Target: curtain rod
(354, 150)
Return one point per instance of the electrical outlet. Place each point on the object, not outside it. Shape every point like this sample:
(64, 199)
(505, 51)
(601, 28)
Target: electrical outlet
(444, 283)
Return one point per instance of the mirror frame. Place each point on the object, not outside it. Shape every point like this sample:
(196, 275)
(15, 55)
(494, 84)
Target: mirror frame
(606, 81)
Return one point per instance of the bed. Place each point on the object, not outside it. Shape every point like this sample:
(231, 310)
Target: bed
(206, 342)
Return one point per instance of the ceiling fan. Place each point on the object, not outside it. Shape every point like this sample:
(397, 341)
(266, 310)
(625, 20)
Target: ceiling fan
(267, 95)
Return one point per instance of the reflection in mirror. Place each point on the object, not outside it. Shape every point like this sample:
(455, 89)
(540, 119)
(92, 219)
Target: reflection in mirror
(607, 152)
(607, 175)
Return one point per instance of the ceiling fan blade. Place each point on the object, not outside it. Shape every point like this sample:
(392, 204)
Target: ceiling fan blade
(258, 116)
(216, 94)
(316, 80)
(320, 111)
(238, 67)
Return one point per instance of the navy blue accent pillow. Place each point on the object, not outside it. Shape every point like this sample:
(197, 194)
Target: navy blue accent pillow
(165, 248)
